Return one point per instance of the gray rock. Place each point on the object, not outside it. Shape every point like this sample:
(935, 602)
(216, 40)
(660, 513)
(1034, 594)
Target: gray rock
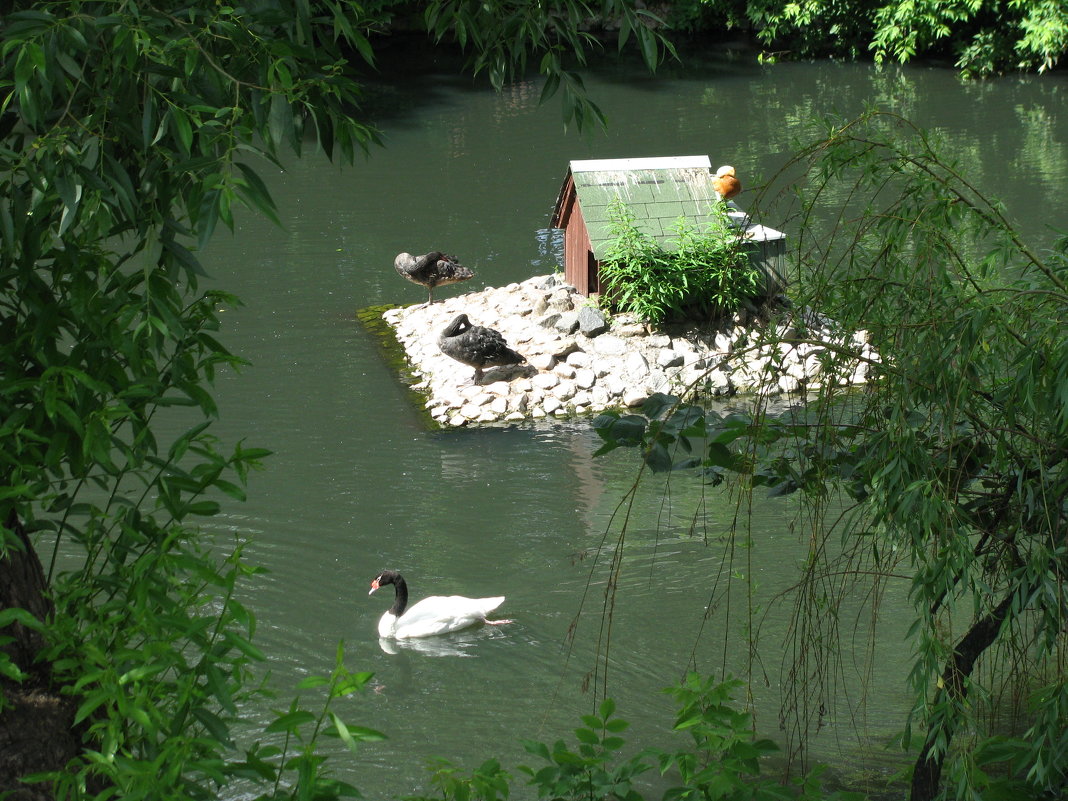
(629, 330)
(546, 282)
(592, 321)
(560, 300)
(568, 322)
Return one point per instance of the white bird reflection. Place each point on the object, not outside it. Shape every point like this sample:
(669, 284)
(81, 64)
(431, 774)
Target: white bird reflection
(457, 644)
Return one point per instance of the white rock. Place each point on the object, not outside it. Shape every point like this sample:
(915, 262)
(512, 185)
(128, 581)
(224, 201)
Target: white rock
(541, 361)
(470, 411)
(636, 365)
(609, 345)
(656, 381)
(787, 383)
(585, 378)
(578, 358)
(614, 385)
(634, 397)
(605, 366)
(565, 390)
(796, 370)
(498, 388)
(481, 399)
(545, 380)
(565, 370)
(550, 405)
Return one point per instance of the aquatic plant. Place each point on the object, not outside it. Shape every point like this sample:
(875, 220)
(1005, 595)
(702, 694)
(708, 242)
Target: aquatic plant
(701, 273)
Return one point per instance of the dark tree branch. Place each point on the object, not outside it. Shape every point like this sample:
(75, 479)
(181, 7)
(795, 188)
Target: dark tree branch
(927, 773)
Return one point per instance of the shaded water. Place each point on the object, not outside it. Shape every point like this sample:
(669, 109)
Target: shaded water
(356, 483)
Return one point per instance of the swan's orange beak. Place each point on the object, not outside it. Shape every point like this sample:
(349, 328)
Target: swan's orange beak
(374, 586)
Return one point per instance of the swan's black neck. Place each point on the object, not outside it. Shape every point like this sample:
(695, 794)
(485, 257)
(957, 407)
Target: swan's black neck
(400, 596)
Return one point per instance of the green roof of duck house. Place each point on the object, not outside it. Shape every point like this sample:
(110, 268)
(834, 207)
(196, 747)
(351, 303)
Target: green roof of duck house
(658, 191)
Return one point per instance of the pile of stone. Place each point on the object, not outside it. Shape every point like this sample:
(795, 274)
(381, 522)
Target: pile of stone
(580, 360)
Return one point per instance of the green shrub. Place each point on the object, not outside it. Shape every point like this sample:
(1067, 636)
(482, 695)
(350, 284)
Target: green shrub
(706, 275)
(722, 760)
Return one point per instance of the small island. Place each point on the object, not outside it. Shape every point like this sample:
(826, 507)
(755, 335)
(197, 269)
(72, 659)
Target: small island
(580, 360)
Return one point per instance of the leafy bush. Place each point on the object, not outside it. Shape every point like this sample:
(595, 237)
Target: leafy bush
(705, 275)
(986, 38)
(723, 760)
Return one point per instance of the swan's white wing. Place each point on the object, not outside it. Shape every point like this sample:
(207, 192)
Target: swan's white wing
(439, 614)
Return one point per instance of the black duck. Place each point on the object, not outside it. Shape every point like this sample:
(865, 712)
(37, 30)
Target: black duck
(433, 269)
(476, 346)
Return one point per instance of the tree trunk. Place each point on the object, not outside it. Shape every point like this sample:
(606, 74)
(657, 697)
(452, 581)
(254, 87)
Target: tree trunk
(35, 721)
(927, 773)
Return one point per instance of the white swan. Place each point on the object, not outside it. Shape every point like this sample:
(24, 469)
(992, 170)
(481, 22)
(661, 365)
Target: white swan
(436, 614)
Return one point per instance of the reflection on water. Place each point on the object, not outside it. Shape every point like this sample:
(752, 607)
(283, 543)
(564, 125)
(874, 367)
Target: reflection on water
(458, 643)
(357, 485)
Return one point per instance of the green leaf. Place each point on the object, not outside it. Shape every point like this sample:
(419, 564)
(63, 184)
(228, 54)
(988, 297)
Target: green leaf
(290, 721)
(365, 735)
(587, 736)
(343, 731)
(214, 724)
(182, 127)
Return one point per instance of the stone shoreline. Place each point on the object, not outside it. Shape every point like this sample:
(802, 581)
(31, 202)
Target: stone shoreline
(579, 361)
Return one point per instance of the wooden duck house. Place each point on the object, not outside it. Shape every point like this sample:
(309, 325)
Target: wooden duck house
(658, 191)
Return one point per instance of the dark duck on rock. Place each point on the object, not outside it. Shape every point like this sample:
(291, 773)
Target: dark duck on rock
(476, 346)
(433, 269)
